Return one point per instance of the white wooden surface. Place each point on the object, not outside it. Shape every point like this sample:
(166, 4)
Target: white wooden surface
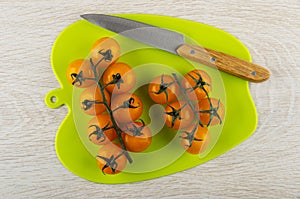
(265, 166)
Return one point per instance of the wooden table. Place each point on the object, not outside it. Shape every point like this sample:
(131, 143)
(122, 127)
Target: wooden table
(267, 165)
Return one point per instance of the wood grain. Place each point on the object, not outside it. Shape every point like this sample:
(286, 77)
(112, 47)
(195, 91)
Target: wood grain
(224, 62)
(267, 165)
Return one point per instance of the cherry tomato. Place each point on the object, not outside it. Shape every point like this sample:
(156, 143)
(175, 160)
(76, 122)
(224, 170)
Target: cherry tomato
(126, 107)
(105, 49)
(111, 159)
(178, 115)
(91, 100)
(119, 78)
(195, 141)
(80, 73)
(163, 89)
(137, 137)
(100, 130)
(197, 84)
(211, 111)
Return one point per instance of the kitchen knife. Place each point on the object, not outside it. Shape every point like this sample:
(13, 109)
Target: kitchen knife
(173, 42)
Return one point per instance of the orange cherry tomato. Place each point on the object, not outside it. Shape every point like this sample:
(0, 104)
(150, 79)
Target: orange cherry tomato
(197, 84)
(91, 100)
(105, 51)
(163, 89)
(126, 107)
(119, 78)
(211, 111)
(80, 73)
(100, 130)
(137, 137)
(195, 140)
(111, 159)
(178, 115)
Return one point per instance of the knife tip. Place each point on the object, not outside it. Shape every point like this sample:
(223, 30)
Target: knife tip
(84, 16)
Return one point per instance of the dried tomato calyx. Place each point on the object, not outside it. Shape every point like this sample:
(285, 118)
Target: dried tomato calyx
(200, 83)
(87, 104)
(79, 78)
(110, 162)
(107, 55)
(117, 79)
(127, 104)
(213, 112)
(190, 136)
(99, 132)
(163, 87)
(137, 131)
(175, 114)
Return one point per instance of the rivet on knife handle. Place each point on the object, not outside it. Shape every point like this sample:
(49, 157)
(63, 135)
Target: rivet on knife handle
(224, 62)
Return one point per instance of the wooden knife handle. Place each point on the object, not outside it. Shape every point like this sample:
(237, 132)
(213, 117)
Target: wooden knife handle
(227, 63)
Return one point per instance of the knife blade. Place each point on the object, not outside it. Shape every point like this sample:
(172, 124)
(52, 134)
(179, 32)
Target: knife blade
(173, 42)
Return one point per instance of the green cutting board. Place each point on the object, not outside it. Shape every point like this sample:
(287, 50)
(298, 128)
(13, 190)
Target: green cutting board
(165, 155)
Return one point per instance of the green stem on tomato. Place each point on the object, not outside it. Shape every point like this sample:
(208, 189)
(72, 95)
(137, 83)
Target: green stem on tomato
(114, 123)
(187, 99)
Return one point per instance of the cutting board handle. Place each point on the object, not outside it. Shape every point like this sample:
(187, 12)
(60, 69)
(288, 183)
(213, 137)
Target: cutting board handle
(224, 62)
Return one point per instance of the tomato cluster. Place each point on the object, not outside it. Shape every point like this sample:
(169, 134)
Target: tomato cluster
(189, 108)
(116, 125)
(116, 111)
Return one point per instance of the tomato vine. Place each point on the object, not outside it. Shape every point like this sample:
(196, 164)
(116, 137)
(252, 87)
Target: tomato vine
(107, 56)
(213, 111)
